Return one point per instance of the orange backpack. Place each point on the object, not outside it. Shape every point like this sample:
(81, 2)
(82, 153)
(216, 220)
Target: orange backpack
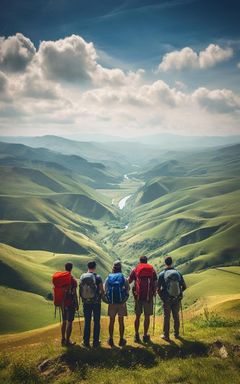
(62, 286)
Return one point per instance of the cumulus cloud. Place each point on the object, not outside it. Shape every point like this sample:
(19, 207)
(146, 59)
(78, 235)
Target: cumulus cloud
(74, 60)
(70, 59)
(3, 82)
(160, 91)
(64, 85)
(188, 58)
(220, 100)
(16, 52)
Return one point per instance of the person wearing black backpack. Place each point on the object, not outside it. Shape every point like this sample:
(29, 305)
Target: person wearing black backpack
(171, 285)
(90, 291)
(116, 289)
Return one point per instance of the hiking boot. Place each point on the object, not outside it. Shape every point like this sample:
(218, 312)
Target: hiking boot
(110, 342)
(63, 342)
(86, 345)
(177, 337)
(137, 339)
(96, 344)
(70, 343)
(122, 342)
(146, 338)
(166, 338)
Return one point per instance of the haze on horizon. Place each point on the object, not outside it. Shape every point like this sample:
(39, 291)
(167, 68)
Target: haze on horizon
(124, 69)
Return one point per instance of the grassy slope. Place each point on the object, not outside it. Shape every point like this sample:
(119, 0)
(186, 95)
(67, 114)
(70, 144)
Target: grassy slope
(185, 361)
(26, 280)
(195, 221)
(96, 174)
(23, 311)
(213, 286)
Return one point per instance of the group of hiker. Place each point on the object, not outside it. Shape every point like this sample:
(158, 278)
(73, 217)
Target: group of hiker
(146, 284)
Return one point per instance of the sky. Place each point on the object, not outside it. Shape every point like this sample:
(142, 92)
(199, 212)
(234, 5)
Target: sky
(121, 68)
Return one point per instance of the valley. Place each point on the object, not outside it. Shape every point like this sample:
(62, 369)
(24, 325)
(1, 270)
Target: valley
(124, 201)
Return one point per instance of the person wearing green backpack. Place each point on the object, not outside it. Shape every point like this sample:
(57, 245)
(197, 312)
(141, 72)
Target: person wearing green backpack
(116, 289)
(171, 285)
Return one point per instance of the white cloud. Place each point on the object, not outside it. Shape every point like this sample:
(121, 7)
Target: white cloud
(3, 82)
(188, 58)
(220, 100)
(16, 52)
(70, 59)
(159, 91)
(63, 87)
(213, 55)
(74, 60)
(238, 65)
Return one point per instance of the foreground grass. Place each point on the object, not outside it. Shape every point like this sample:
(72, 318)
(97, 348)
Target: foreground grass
(183, 361)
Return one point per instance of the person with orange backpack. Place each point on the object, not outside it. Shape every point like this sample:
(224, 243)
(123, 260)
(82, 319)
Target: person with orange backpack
(65, 298)
(145, 278)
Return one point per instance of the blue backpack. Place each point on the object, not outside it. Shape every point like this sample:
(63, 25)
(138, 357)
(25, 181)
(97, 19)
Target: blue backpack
(116, 292)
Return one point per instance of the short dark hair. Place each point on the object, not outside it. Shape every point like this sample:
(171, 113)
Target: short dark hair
(92, 264)
(69, 266)
(168, 260)
(143, 259)
(117, 267)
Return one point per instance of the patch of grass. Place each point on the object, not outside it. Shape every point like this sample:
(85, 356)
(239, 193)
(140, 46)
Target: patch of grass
(22, 371)
(214, 320)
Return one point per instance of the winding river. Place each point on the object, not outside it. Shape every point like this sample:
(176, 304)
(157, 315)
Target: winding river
(123, 201)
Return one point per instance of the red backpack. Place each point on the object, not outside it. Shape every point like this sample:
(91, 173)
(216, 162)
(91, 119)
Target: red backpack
(144, 281)
(62, 286)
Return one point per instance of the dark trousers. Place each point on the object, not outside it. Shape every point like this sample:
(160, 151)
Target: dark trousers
(171, 306)
(90, 310)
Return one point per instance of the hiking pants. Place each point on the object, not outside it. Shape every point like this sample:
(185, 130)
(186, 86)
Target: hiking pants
(171, 306)
(90, 309)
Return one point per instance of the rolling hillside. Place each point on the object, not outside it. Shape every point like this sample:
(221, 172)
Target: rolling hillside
(189, 214)
(186, 205)
(19, 155)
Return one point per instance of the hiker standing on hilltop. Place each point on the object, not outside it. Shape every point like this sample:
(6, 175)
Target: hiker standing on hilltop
(116, 289)
(170, 288)
(144, 289)
(90, 291)
(65, 298)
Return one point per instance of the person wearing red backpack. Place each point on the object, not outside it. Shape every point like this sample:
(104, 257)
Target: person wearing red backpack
(65, 298)
(145, 285)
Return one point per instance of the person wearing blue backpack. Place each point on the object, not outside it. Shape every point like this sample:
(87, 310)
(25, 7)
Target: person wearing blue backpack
(116, 290)
(171, 285)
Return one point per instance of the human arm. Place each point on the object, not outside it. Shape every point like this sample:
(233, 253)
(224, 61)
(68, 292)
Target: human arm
(132, 276)
(127, 286)
(155, 283)
(160, 284)
(183, 284)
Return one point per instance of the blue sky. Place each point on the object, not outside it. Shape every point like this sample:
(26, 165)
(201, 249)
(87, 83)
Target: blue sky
(133, 30)
(136, 34)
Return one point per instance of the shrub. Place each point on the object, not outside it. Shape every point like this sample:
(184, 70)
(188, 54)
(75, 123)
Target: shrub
(214, 320)
(21, 371)
(4, 361)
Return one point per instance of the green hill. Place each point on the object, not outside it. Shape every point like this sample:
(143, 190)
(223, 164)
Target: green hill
(95, 174)
(49, 216)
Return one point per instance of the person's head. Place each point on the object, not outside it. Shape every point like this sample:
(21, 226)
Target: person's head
(143, 259)
(92, 265)
(168, 261)
(68, 266)
(117, 267)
